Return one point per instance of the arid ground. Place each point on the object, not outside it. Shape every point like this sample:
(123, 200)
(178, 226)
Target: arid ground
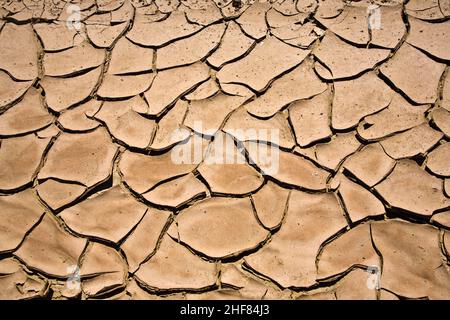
(116, 181)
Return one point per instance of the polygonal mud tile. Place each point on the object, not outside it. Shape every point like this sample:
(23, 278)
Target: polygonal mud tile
(126, 57)
(277, 19)
(26, 116)
(208, 115)
(79, 119)
(413, 142)
(11, 90)
(225, 169)
(234, 44)
(57, 195)
(125, 86)
(142, 172)
(62, 93)
(228, 227)
(354, 99)
(205, 90)
(438, 161)
(73, 60)
(55, 36)
(253, 20)
(19, 159)
(124, 13)
(19, 51)
(191, 49)
(316, 110)
(19, 213)
(275, 130)
(201, 12)
(298, 35)
(414, 73)
(287, 167)
(427, 9)
(412, 263)
(160, 33)
(441, 117)
(399, 116)
(339, 59)
(331, 154)
(250, 286)
(167, 6)
(359, 202)
(441, 218)
(301, 83)
(125, 124)
(350, 25)
(370, 165)
(169, 129)
(104, 36)
(354, 286)
(350, 249)
(430, 37)
(103, 270)
(142, 242)
(416, 190)
(329, 8)
(255, 71)
(392, 28)
(177, 192)
(169, 85)
(108, 215)
(50, 249)
(236, 90)
(270, 204)
(174, 267)
(86, 158)
(289, 259)
(49, 132)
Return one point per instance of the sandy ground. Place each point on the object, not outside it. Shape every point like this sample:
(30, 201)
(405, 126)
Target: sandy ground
(99, 101)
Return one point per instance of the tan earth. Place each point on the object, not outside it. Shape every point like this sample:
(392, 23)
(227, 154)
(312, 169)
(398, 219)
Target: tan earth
(98, 98)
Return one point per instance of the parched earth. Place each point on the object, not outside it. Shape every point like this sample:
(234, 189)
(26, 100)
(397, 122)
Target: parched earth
(93, 205)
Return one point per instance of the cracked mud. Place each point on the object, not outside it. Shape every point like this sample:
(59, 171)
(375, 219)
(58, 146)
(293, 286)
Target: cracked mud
(93, 206)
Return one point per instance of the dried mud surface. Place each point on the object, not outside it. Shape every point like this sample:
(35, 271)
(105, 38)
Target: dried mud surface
(93, 207)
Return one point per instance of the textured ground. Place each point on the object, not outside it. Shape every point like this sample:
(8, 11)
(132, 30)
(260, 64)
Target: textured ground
(90, 194)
